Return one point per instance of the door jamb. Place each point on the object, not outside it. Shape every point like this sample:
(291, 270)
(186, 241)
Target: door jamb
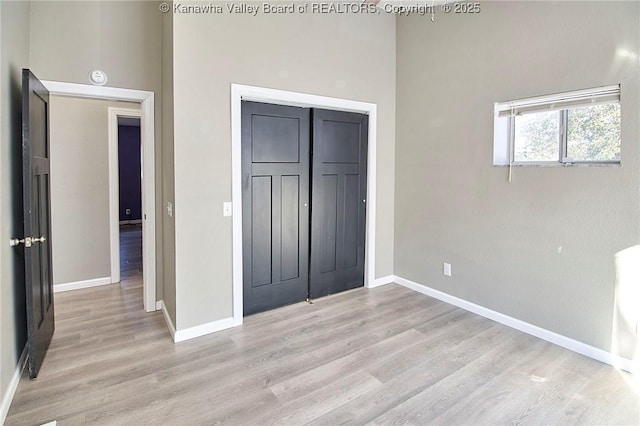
(241, 93)
(147, 139)
(114, 186)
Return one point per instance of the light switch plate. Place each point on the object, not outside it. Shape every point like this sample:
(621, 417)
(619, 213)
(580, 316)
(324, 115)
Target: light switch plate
(226, 208)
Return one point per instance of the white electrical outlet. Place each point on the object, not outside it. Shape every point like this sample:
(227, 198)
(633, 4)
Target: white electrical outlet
(447, 269)
(226, 208)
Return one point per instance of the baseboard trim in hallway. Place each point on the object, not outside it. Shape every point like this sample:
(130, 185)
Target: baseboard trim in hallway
(542, 333)
(204, 329)
(172, 328)
(77, 285)
(13, 386)
(193, 332)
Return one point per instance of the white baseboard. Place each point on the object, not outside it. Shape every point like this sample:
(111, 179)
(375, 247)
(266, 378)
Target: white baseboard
(201, 330)
(381, 281)
(76, 285)
(193, 332)
(544, 334)
(13, 386)
(167, 318)
(131, 222)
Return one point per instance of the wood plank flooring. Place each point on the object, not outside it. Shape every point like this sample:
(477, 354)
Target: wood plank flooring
(130, 251)
(382, 356)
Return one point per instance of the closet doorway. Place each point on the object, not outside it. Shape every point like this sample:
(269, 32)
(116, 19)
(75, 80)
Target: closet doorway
(304, 186)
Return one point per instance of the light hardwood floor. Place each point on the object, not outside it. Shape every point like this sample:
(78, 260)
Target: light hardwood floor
(130, 251)
(382, 356)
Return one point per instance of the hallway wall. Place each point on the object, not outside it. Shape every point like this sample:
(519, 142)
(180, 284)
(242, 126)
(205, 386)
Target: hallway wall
(14, 55)
(79, 133)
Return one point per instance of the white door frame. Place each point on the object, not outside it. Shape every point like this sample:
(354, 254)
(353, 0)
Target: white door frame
(114, 186)
(241, 93)
(147, 138)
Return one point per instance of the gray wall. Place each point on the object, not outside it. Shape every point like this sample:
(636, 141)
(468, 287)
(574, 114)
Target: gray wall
(168, 224)
(123, 38)
(14, 55)
(344, 56)
(80, 187)
(452, 206)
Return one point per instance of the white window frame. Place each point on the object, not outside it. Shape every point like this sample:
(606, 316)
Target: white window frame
(504, 123)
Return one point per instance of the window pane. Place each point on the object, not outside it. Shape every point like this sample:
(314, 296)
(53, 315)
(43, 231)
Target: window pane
(594, 133)
(537, 137)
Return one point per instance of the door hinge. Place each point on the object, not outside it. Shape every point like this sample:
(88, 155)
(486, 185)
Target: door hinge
(28, 242)
(16, 242)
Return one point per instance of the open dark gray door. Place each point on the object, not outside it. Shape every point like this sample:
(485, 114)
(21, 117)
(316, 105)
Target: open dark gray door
(275, 205)
(339, 191)
(37, 223)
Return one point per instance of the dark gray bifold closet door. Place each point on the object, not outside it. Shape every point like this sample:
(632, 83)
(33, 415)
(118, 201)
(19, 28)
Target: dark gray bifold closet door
(339, 190)
(275, 199)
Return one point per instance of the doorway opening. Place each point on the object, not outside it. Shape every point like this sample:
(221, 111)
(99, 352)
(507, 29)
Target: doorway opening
(130, 199)
(147, 140)
(126, 195)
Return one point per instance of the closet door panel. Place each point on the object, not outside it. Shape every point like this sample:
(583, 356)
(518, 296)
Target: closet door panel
(338, 201)
(275, 205)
